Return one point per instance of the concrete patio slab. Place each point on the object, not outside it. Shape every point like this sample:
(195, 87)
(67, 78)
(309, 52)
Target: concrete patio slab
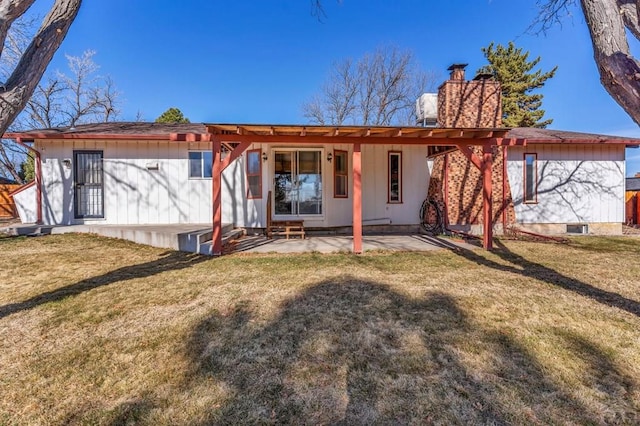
(333, 244)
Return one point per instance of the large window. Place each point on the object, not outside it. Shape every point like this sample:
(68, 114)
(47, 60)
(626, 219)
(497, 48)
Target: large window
(395, 177)
(340, 174)
(254, 174)
(530, 178)
(200, 164)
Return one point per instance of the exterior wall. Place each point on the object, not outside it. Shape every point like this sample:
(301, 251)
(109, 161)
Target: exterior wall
(576, 184)
(337, 212)
(26, 204)
(133, 194)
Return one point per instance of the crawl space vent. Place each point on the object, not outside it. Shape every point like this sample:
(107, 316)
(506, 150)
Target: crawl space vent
(578, 229)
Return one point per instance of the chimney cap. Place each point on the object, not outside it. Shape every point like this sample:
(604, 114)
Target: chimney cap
(457, 67)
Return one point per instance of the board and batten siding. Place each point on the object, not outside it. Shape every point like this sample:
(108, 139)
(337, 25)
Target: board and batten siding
(135, 192)
(337, 212)
(576, 183)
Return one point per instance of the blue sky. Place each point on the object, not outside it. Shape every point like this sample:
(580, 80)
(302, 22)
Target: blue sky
(258, 61)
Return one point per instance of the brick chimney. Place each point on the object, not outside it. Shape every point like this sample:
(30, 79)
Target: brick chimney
(469, 104)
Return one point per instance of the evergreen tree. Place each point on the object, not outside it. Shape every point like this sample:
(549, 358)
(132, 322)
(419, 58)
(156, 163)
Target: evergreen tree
(511, 67)
(172, 115)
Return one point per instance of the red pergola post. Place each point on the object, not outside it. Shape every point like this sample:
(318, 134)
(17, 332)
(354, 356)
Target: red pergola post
(357, 199)
(216, 195)
(487, 165)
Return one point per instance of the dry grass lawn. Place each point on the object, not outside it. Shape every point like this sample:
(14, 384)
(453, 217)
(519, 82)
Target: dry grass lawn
(101, 331)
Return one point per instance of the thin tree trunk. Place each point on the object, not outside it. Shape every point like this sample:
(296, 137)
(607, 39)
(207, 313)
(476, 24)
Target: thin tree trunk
(619, 71)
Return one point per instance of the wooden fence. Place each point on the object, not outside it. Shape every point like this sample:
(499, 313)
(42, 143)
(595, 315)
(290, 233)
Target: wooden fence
(7, 206)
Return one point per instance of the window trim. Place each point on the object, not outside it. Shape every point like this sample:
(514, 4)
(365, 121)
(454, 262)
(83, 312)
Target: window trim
(389, 155)
(535, 179)
(250, 196)
(337, 152)
(202, 168)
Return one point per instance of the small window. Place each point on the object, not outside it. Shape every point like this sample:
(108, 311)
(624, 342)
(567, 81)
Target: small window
(254, 174)
(530, 178)
(200, 164)
(395, 177)
(340, 174)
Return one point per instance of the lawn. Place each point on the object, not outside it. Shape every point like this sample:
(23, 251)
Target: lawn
(102, 331)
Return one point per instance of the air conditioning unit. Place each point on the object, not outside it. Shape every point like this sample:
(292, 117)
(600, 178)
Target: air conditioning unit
(427, 110)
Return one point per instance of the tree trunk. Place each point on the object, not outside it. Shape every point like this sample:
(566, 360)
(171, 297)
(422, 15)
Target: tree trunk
(18, 89)
(619, 71)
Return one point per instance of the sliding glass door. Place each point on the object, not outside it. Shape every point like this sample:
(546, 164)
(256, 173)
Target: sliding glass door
(297, 182)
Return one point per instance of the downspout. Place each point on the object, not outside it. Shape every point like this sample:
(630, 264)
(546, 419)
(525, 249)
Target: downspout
(504, 190)
(38, 177)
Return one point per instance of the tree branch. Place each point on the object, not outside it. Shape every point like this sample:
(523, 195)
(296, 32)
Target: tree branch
(619, 70)
(24, 79)
(10, 10)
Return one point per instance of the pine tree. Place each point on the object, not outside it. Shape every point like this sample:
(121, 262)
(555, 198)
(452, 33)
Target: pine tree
(172, 115)
(511, 67)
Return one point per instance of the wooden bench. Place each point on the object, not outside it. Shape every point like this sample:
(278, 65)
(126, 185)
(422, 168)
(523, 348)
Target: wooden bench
(286, 228)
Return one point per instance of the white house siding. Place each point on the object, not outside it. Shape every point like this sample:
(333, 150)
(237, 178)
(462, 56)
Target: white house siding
(338, 211)
(576, 184)
(134, 193)
(26, 204)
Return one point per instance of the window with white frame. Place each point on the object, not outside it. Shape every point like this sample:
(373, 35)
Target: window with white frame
(200, 164)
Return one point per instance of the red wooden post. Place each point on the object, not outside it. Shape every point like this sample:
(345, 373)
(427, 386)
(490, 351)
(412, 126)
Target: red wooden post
(487, 163)
(357, 199)
(216, 195)
(38, 177)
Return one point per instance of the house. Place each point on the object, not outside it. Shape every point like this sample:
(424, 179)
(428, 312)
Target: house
(482, 177)
(632, 191)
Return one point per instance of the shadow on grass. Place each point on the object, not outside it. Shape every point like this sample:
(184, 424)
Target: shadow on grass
(355, 352)
(521, 266)
(169, 261)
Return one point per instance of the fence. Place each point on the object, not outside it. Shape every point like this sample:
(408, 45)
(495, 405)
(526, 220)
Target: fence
(7, 206)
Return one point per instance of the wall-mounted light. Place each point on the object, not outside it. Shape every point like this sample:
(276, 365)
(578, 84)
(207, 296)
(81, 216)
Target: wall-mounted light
(264, 156)
(329, 157)
(67, 163)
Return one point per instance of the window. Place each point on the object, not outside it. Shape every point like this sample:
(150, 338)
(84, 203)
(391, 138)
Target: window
(254, 174)
(395, 177)
(530, 178)
(200, 164)
(340, 174)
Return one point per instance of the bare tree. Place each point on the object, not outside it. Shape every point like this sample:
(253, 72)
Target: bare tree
(379, 89)
(77, 97)
(25, 59)
(610, 22)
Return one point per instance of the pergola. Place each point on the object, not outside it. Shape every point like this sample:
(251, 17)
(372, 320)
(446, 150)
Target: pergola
(236, 138)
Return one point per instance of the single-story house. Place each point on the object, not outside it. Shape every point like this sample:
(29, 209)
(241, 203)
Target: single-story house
(481, 176)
